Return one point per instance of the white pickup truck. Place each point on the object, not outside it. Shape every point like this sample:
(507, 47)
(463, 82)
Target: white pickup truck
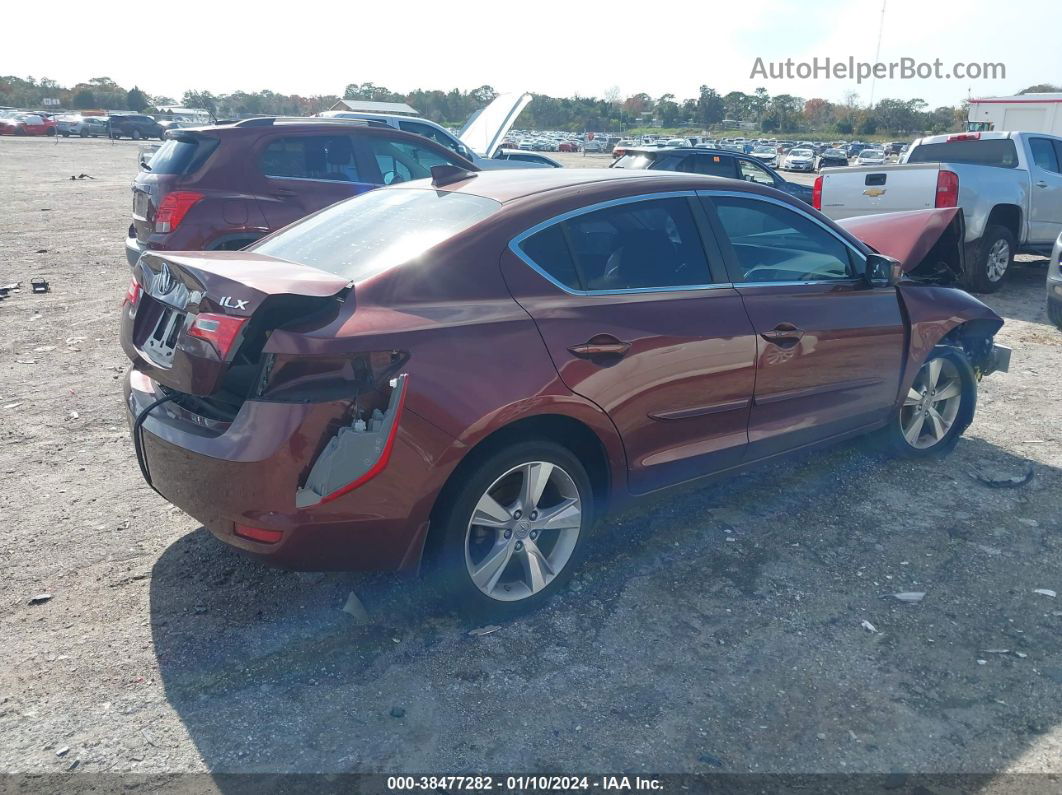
(1008, 184)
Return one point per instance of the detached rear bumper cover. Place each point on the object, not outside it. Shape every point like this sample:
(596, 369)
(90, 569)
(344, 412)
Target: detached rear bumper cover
(224, 475)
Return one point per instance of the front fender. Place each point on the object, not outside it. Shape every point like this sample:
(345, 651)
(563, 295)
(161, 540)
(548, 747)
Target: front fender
(933, 313)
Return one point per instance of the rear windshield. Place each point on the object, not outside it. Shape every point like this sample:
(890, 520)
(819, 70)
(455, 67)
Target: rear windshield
(634, 161)
(181, 156)
(366, 235)
(989, 152)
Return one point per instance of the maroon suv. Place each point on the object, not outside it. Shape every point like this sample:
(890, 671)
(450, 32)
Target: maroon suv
(225, 186)
(481, 366)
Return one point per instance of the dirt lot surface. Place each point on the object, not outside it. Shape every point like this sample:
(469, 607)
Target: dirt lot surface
(743, 626)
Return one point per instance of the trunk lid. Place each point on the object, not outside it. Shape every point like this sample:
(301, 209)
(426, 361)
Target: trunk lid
(485, 129)
(201, 319)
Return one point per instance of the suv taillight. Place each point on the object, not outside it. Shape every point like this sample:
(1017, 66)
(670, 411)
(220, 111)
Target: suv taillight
(173, 208)
(947, 189)
(816, 193)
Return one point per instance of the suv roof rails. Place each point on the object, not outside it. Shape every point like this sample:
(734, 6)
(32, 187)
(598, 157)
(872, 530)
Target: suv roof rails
(269, 121)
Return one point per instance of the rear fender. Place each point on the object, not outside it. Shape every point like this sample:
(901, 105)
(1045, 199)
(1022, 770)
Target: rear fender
(937, 315)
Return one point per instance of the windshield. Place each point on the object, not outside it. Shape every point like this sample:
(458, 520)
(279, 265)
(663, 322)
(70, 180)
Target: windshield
(801, 153)
(366, 235)
(633, 161)
(871, 153)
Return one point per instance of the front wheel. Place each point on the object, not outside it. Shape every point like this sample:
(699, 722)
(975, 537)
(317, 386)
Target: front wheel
(514, 530)
(937, 408)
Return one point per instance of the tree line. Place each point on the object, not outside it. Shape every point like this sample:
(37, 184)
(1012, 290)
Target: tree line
(780, 113)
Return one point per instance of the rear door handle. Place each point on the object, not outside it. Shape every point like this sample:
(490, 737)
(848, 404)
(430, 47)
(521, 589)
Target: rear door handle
(600, 345)
(1041, 184)
(783, 332)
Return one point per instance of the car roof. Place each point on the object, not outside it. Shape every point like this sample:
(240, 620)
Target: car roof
(512, 185)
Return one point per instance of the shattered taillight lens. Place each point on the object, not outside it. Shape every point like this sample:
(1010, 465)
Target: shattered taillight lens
(220, 331)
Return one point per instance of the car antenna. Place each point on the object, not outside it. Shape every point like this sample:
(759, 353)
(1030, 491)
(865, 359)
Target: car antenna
(445, 175)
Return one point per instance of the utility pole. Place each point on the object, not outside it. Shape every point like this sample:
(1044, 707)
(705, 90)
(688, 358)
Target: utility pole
(877, 53)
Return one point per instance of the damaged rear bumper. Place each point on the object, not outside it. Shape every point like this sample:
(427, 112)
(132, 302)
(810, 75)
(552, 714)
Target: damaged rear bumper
(249, 471)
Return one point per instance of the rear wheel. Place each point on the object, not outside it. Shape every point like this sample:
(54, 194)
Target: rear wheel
(136, 136)
(938, 407)
(513, 532)
(1054, 312)
(995, 256)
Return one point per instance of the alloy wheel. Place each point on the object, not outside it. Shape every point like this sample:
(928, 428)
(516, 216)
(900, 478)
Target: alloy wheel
(932, 404)
(523, 531)
(998, 260)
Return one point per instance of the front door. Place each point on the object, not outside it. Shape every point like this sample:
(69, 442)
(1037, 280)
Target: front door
(630, 312)
(829, 346)
(1045, 196)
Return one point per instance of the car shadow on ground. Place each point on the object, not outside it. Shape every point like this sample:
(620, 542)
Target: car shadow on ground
(718, 627)
(1024, 295)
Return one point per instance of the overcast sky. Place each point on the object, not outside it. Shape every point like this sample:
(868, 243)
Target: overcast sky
(563, 48)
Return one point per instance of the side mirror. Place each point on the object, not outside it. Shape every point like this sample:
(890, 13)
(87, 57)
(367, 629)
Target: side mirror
(882, 271)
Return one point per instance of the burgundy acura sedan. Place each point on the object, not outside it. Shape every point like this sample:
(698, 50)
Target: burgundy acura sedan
(475, 368)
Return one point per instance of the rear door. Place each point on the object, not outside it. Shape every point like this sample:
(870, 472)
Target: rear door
(295, 174)
(829, 346)
(1045, 197)
(635, 321)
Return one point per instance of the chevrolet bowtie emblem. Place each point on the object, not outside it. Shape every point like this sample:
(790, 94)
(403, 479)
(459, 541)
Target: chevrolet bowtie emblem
(874, 192)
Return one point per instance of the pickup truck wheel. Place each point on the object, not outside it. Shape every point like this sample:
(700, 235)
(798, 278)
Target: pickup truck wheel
(514, 530)
(995, 255)
(937, 408)
(1054, 313)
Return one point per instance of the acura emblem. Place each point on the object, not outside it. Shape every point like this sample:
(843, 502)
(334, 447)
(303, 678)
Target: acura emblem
(163, 281)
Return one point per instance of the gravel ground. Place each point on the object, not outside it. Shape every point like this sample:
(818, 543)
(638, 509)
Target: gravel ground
(721, 628)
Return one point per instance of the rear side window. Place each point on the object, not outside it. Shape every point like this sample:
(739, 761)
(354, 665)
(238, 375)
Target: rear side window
(326, 157)
(1043, 154)
(651, 244)
(989, 152)
(181, 156)
(772, 243)
(368, 234)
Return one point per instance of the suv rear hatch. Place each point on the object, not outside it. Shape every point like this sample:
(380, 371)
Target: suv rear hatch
(197, 323)
(183, 153)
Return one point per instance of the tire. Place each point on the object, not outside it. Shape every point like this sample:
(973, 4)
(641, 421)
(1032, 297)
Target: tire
(518, 571)
(136, 136)
(50, 132)
(952, 368)
(1054, 312)
(993, 261)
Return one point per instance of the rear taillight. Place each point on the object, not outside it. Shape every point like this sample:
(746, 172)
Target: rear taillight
(173, 208)
(219, 330)
(947, 189)
(816, 193)
(132, 295)
(973, 136)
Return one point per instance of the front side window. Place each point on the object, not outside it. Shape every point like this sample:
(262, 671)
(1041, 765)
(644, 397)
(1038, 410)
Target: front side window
(402, 161)
(327, 157)
(650, 244)
(772, 243)
(753, 172)
(429, 132)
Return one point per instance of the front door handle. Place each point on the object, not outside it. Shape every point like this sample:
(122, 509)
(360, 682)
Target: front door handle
(783, 332)
(1041, 184)
(600, 345)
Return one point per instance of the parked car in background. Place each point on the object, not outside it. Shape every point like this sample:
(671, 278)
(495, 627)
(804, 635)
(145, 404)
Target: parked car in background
(82, 126)
(716, 163)
(527, 158)
(225, 186)
(299, 401)
(766, 154)
(134, 125)
(1054, 284)
(27, 124)
(831, 158)
(895, 147)
(870, 157)
(568, 146)
(856, 147)
(1008, 184)
(799, 160)
(478, 140)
